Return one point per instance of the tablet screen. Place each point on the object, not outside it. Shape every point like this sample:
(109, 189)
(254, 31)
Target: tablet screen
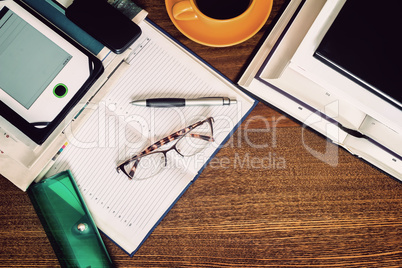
(363, 44)
(22, 50)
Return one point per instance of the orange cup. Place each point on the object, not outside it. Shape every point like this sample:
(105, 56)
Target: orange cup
(193, 23)
(188, 10)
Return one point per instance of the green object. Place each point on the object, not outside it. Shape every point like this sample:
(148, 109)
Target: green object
(60, 90)
(68, 223)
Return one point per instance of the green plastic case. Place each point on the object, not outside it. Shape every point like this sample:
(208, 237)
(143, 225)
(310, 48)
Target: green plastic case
(68, 223)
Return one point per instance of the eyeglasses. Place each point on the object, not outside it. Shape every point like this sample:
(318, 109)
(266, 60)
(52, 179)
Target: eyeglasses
(189, 141)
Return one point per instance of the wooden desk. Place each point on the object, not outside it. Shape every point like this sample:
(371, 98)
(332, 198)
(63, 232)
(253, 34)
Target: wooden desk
(245, 211)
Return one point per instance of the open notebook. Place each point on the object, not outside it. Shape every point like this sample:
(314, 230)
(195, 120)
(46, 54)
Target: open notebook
(128, 210)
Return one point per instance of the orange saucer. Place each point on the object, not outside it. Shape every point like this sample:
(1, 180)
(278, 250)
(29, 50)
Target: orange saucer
(221, 36)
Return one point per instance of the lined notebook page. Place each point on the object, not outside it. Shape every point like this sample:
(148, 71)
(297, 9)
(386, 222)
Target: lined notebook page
(127, 210)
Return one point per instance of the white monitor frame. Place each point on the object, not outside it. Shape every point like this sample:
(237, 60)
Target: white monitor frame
(304, 62)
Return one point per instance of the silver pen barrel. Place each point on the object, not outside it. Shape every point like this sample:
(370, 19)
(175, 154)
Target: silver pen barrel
(210, 101)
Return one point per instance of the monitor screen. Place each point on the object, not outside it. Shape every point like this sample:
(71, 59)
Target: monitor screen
(29, 61)
(363, 44)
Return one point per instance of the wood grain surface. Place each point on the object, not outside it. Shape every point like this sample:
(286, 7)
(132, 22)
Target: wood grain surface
(265, 200)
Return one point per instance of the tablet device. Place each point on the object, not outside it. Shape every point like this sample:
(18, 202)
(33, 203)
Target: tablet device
(43, 72)
(366, 50)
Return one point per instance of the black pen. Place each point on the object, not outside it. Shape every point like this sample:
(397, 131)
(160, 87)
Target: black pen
(178, 102)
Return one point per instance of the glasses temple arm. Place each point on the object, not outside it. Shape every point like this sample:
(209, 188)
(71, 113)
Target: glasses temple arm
(202, 137)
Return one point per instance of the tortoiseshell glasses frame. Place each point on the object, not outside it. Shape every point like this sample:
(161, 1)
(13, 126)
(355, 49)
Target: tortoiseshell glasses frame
(177, 136)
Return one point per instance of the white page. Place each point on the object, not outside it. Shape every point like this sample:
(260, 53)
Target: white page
(127, 210)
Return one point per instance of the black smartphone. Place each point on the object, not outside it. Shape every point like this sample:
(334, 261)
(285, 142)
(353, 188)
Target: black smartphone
(105, 23)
